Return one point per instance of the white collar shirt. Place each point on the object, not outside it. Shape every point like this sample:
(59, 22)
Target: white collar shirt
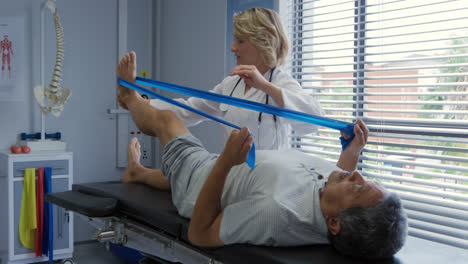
(278, 203)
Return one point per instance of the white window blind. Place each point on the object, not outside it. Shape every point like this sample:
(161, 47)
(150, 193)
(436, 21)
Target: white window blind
(402, 67)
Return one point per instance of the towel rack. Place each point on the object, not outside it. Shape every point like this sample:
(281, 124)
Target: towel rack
(56, 168)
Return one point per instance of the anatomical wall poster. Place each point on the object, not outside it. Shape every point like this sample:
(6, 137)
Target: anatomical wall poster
(12, 63)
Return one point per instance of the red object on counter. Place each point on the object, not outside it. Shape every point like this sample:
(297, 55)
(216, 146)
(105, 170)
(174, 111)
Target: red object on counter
(15, 149)
(25, 149)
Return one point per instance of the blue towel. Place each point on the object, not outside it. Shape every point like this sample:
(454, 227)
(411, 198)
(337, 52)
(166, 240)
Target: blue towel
(48, 233)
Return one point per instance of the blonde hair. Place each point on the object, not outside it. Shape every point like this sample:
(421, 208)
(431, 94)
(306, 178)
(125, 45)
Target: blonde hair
(263, 28)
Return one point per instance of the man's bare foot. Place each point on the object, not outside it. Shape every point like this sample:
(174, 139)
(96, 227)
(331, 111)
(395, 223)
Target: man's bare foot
(134, 167)
(127, 71)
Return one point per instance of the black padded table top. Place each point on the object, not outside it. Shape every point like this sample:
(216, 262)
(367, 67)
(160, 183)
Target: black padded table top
(141, 203)
(155, 209)
(85, 204)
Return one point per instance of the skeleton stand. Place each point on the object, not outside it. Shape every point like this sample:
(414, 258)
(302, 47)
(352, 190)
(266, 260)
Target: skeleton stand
(44, 144)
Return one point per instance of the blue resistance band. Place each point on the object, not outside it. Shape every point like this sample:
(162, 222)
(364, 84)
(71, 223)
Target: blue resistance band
(347, 128)
(48, 235)
(250, 158)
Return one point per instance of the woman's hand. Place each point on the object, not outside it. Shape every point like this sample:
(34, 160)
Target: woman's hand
(237, 147)
(252, 77)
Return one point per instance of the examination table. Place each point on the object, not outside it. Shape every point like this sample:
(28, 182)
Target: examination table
(140, 217)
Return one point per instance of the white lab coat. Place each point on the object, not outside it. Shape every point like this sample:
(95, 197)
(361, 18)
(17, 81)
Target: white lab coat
(268, 134)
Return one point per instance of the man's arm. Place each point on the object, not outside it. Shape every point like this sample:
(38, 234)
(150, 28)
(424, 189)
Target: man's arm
(349, 157)
(207, 214)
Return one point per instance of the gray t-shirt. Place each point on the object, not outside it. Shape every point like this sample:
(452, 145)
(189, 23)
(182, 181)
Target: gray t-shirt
(278, 203)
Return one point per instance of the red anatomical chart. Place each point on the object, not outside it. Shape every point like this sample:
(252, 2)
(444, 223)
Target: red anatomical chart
(13, 75)
(6, 49)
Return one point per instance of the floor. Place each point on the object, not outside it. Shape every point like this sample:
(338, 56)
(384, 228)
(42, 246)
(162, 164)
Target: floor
(96, 253)
(93, 252)
(415, 251)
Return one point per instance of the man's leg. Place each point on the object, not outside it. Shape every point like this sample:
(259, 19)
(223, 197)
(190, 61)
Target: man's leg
(151, 121)
(135, 172)
(163, 124)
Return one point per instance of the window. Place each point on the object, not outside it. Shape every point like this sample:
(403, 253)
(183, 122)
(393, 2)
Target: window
(402, 67)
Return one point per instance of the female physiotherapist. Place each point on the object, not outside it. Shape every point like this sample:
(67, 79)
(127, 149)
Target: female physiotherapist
(260, 46)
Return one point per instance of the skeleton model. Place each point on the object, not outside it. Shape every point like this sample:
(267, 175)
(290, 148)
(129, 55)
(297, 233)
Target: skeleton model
(6, 50)
(56, 96)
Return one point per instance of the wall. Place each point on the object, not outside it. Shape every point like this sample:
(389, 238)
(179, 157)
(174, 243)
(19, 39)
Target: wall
(15, 116)
(88, 70)
(192, 46)
(191, 52)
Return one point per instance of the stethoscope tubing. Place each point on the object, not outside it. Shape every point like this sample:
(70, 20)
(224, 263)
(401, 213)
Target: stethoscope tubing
(267, 96)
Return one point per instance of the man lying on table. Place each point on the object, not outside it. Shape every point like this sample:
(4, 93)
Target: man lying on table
(290, 199)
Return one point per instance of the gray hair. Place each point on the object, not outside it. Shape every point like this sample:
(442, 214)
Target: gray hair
(264, 29)
(373, 233)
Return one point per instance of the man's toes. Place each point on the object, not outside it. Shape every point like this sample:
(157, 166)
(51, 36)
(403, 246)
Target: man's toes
(120, 67)
(138, 146)
(133, 142)
(132, 57)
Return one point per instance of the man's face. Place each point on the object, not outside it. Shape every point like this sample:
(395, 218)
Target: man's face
(345, 189)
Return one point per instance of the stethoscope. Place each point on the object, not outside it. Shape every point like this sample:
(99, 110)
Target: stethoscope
(260, 113)
(267, 96)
